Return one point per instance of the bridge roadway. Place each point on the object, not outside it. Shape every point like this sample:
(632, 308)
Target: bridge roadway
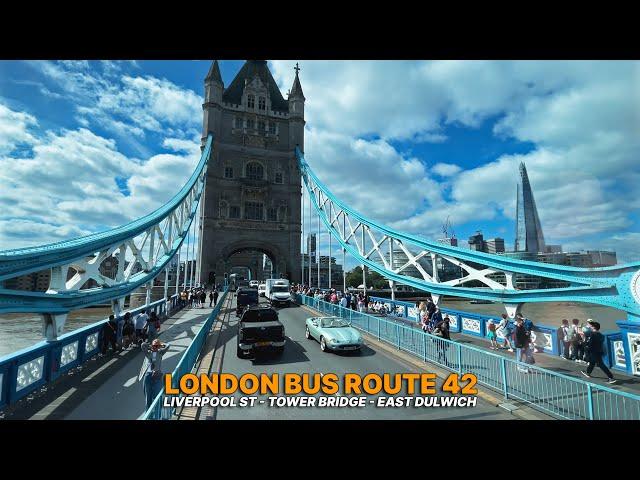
(107, 388)
(304, 356)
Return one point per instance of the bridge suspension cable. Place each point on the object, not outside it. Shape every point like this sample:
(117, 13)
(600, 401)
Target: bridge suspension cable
(149, 242)
(616, 286)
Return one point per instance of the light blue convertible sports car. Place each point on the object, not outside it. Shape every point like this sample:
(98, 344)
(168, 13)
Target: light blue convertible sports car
(333, 333)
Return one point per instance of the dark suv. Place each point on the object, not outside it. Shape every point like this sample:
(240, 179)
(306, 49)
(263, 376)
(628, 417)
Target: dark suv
(245, 296)
(258, 330)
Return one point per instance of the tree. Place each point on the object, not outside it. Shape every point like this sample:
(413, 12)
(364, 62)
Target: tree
(354, 279)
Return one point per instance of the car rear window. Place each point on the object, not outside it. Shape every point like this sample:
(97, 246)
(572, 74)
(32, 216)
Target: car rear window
(266, 315)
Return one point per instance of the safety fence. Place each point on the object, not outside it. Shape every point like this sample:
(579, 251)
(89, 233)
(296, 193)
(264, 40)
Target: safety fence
(28, 370)
(157, 411)
(556, 394)
(545, 338)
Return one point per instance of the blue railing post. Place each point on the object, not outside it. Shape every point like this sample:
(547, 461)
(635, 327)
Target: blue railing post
(503, 367)
(459, 358)
(424, 346)
(398, 334)
(590, 400)
(378, 329)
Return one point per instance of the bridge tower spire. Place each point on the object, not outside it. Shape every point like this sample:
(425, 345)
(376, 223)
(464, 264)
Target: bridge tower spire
(213, 89)
(296, 112)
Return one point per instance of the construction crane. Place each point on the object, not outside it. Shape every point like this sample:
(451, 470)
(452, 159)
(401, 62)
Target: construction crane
(447, 229)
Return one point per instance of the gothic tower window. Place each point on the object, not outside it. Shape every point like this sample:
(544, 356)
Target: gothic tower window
(261, 126)
(251, 123)
(262, 104)
(239, 122)
(282, 213)
(272, 128)
(224, 209)
(234, 211)
(228, 172)
(272, 214)
(253, 211)
(255, 171)
(251, 101)
(279, 177)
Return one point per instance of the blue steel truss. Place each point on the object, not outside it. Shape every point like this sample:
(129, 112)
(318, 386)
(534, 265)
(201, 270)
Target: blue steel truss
(168, 226)
(616, 286)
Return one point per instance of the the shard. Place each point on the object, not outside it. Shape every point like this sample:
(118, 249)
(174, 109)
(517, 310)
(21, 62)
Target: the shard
(529, 237)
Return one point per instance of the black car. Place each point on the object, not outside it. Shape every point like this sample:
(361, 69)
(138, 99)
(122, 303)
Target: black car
(260, 330)
(245, 296)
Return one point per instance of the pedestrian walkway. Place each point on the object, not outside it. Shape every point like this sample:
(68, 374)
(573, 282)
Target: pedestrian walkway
(107, 387)
(625, 383)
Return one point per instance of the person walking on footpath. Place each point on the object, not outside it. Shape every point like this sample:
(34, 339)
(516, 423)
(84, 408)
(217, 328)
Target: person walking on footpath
(210, 298)
(215, 297)
(594, 348)
(152, 369)
(564, 333)
(522, 340)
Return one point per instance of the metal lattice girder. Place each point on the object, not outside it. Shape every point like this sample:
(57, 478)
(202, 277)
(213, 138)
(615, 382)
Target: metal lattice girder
(617, 286)
(150, 241)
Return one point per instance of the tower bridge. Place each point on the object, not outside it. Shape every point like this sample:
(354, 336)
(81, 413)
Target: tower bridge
(245, 195)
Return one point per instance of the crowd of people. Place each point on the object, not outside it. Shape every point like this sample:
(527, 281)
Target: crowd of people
(123, 331)
(196, 297)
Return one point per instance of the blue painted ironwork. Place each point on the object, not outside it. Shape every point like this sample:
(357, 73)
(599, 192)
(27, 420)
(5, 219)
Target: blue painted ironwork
(559, 395)
(26, 371)
(178, 213)
(157, 410)
(616, 286)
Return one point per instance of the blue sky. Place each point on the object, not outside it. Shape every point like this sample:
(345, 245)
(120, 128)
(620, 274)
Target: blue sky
(86, 146)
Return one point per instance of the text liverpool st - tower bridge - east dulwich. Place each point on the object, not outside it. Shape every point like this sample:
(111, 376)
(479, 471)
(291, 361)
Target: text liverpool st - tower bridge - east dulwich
(252, 199)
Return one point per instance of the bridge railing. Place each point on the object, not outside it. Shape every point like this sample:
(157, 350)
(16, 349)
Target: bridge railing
(553, 393)
(28, 370)
(157, 411)
(545, 337)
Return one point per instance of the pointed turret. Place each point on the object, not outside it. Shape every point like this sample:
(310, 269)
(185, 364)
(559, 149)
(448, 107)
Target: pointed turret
(296, 90)
(213, 84)
(214, 74)
(296, 112)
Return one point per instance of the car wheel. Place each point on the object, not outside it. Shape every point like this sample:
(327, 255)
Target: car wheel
(323, 345)
(240, 352)
(307, 334)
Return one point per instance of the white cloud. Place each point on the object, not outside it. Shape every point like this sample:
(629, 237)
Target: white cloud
(583, 119)
(14, 129)
(445, 169)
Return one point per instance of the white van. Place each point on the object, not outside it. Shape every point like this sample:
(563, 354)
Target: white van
(277, 291)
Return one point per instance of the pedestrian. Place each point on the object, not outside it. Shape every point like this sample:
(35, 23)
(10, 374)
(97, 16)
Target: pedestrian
(109, 334)
(215, 297)
(491, 334)
(435, 318)
(152, 327)
(505, 330)
(140, 322)
(577, 345)
(120, 327)
(595, 351)
(564, 333)
(152, 369)
(128, 331)
(522, 340)
(210, 298)
(442, 331)
(203, 298)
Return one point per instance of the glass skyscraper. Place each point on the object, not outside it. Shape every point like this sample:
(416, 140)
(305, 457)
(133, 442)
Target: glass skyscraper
(529, 237)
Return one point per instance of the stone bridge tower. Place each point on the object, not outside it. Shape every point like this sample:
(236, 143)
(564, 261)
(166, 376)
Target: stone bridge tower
(252, 198)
